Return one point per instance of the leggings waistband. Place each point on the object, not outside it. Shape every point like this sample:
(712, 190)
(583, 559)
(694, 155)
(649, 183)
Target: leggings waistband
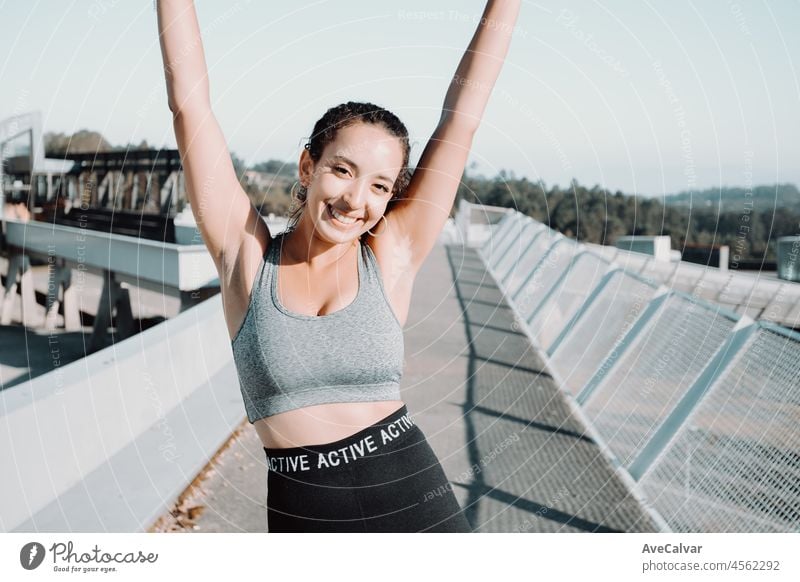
(372, 440)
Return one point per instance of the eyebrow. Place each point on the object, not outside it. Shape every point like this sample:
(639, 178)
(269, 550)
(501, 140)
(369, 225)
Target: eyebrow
(352, 163)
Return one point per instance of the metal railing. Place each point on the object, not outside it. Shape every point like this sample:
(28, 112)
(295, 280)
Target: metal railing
(696, 400)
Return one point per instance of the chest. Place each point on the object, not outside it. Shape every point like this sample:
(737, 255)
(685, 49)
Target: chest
(304, 292)
(317, 293)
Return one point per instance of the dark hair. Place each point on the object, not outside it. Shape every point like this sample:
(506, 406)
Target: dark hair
(345, 115)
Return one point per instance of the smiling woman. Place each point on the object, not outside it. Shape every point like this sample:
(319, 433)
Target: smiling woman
(355, 163)
(315, 313)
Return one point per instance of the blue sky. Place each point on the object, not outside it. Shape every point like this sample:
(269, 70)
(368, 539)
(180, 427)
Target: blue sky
(644, 97)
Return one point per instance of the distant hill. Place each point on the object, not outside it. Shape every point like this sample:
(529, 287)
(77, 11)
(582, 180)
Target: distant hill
(598, 216)
(83, 141)
(764, 198)
(277, 167)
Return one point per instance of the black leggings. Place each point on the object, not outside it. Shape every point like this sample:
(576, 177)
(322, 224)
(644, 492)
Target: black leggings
(384, 478)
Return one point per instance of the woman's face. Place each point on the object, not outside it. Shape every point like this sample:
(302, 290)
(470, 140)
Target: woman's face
(354, 177)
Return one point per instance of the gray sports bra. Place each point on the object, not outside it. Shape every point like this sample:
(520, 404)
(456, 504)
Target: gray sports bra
(288, 360)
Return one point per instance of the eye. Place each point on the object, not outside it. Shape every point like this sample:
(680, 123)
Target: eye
(340, 169)
(384, 188)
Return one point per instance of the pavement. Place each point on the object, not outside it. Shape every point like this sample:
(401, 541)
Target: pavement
(516, 452)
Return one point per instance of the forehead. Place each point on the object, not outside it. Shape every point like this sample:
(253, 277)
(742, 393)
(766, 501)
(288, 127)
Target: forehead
(369, 145)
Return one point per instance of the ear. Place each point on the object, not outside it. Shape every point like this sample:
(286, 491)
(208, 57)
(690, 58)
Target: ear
(306, 167)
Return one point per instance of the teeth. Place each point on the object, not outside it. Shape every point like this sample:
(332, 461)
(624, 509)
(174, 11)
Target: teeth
(338, 216)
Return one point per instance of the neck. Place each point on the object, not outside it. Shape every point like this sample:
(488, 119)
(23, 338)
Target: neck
(302, 246)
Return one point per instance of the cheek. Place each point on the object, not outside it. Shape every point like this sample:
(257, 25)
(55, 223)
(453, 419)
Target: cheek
(376, 210)
(328, 184)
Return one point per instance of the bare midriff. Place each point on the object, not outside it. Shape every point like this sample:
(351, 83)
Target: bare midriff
(321, 423)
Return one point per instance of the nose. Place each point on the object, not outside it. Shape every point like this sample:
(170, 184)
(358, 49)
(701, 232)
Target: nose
(356, 194)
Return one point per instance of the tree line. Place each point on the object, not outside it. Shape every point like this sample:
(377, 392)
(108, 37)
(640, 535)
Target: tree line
(749, 220)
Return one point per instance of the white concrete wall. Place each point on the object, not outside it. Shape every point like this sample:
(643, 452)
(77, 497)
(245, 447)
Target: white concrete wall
(60, 428)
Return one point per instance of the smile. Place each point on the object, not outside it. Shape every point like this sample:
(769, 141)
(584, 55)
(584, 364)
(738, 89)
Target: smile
(340, 218)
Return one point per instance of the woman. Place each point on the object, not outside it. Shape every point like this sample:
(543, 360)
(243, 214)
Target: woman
(315, 314)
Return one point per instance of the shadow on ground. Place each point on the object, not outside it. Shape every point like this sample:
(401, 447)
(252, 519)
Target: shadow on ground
(532, 466)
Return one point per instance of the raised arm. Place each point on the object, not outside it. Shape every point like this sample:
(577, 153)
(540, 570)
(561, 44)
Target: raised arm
(418, 219)
(223, 212)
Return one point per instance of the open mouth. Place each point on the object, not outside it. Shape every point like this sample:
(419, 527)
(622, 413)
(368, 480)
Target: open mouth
(347, 225)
